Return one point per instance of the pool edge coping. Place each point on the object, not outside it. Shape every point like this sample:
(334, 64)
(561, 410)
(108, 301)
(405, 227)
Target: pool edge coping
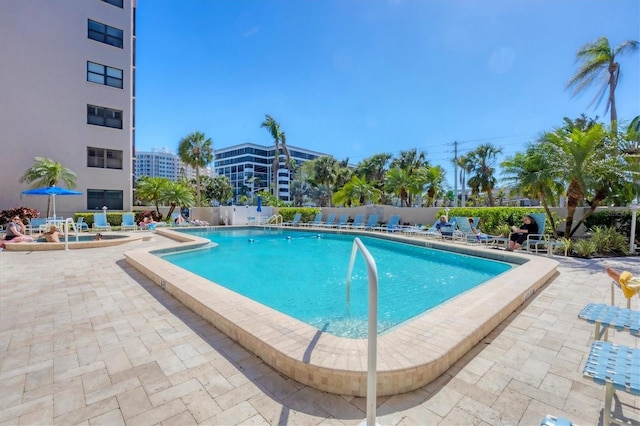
(409, 356)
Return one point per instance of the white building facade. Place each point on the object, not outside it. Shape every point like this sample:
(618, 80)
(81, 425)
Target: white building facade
(67, 92)
(166, 164)
(248, 167)
(157, 164)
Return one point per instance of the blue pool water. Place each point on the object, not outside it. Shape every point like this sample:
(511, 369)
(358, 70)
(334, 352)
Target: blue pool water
(304, 275)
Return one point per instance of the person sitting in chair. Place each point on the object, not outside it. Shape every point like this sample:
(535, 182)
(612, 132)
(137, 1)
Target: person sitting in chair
(148, 223)
(442, 222)
(479, 234)
(444, 227)
(519, 235)
(16, 232)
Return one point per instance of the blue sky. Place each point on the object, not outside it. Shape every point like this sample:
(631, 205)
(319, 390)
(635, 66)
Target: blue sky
(353, 78)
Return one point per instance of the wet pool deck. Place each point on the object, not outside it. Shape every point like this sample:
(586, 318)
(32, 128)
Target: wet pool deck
(87, 339)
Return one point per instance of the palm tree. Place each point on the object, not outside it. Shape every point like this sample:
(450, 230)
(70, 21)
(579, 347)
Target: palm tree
(532, 175)
(434, 183)
(176, 194)
(373, 170)
(279, 143)
(630, 147)
(356, 192)
(410, 160)
(219, 189)
(482, 161)
(398, 181)
(326, 172)
(465, 167)
(47, 172)
(599, 63)
(587, 161)
(197, 152)
(150, 189)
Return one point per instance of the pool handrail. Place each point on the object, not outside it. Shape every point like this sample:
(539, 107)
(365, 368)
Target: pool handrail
(273, 220)
(372, 331)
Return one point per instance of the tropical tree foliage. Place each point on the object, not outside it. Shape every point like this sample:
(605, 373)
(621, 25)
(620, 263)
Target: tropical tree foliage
(196, 151)
(434, 184)
(482, 162)
(176, 194)
(630, 150)
(325, 170)
(398, 181)
(280, 148)
(373, 169)
(599, 65)
(588, 161)
(219, 189)
(531, 175)
(465, 168)
(356, 192)
(151, 189)
(46, 172)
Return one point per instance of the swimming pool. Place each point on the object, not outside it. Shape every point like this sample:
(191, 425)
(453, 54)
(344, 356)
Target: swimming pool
(410, 355)
(84, 238)
(303, 274)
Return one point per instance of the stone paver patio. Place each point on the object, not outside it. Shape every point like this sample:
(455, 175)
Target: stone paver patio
(86, 339)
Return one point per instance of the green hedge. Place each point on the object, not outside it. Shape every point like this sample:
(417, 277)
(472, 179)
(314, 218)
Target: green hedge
(307, 213)
(620, 220)
(113, 218)
(493, 219)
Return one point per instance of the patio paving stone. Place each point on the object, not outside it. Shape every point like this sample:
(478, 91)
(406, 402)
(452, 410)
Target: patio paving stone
(87, 339)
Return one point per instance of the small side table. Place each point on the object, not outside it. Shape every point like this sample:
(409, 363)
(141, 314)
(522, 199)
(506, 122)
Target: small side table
(605, 316)
(616, 367)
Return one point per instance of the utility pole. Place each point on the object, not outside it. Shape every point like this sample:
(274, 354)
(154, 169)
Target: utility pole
(455, 173)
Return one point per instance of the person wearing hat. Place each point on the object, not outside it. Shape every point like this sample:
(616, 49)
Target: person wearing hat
(519, 235)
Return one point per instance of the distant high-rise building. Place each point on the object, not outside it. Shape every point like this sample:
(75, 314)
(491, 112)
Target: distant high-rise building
(248, 167)
(164, 163)
(157, 164)
(67, 93)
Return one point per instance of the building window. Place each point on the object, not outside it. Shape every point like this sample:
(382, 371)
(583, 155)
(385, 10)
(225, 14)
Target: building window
(98, 198)
(117, 3)
(102, 74)
(105, 34)
(104, 158)
(101, 116)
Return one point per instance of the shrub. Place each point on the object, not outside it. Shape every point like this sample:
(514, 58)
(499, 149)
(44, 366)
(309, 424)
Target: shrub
(307, 213)
(23, 212)
(584, 247)
(493, 220)
(620, 220)
(608, 241)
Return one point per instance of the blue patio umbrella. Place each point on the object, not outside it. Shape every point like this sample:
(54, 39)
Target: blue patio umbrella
(259, 209)
(51, 191)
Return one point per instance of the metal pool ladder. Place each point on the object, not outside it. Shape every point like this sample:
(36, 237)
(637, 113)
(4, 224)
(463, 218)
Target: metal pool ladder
(372, 331)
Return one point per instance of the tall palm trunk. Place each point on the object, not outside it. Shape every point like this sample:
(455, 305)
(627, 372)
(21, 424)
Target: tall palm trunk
(574, 194)
(613, 81)
(329, 194)
(543, 200)
(490, 195)
(197, 186)
(601, 194)
(275, 166)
